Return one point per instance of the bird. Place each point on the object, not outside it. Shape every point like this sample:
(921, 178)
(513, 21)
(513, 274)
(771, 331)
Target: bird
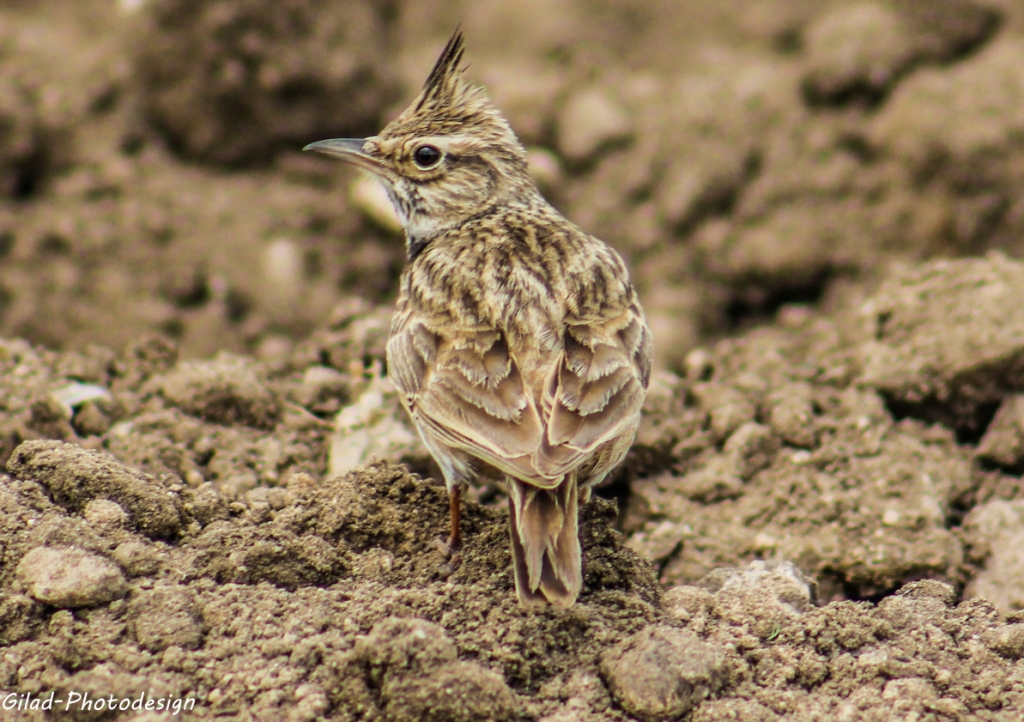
(518, 346)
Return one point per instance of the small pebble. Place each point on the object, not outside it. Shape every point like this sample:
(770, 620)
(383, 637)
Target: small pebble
(105, 513)
(70, 577)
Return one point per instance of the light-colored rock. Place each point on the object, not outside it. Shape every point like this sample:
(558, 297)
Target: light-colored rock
(105, 513)
(70, 577)
(781, 583)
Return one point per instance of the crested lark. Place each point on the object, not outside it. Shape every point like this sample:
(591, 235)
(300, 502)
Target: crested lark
(518, 345)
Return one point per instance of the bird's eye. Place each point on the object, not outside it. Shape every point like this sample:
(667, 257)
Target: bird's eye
(426, 156)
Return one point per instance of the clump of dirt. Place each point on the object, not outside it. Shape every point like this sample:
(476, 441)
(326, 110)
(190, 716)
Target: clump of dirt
(858, 51)
(25, 143)
(34, 125)
(287, 73)
(818, 440)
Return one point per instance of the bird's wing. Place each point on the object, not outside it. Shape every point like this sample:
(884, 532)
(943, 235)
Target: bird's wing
(466, 389)
(595, 390)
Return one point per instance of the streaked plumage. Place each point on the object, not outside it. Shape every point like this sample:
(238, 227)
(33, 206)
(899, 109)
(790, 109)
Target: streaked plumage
(518, 343)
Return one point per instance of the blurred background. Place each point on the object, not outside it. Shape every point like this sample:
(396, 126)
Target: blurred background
(747, 157)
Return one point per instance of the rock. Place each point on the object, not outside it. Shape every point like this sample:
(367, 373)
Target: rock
(75, 477)
(369, 198)
(105, 513)
(281, 278)
(1008, 641)
(962, 112)
(728, 408)
(713, 482)
(658, 541)
(411, 645)
(90, 420)
(269, 552)
(323, 389)
(686, 602)
(590, 121)
(20, 618)
(226, 391)
(207, 505)
(70, 577)
(942, 30)
(960, 129)
(662, 672)
(929, 589)
(165, 616)
(858, 48)
(374, 425)
(290, 74)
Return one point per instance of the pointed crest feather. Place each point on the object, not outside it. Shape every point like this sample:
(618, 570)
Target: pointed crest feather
(446, 73)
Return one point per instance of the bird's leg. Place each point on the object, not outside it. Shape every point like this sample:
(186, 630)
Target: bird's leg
(454, 542)
(451, 546)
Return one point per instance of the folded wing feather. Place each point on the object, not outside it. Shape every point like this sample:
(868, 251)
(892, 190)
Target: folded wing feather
(468, 389)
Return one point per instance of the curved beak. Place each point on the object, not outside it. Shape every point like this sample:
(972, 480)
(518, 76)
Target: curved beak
(349, 150)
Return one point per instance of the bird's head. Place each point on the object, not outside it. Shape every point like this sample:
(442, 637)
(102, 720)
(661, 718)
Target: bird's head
(449, 157)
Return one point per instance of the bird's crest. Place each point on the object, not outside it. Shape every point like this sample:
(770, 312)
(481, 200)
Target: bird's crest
(445, 80)
(448, 105)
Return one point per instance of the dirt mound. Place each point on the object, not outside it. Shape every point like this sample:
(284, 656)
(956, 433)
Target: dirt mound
(215, 565)
(333, 600)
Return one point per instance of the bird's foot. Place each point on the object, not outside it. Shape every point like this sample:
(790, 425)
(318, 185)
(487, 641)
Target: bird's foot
(451, 552)
(449, 547)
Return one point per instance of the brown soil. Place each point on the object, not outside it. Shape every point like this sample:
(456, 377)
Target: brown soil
(823, 515)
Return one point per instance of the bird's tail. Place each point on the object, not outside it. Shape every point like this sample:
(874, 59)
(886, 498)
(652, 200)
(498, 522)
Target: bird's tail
(545, 543)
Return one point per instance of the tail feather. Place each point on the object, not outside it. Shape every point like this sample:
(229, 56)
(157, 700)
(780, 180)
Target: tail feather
(545, 543)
